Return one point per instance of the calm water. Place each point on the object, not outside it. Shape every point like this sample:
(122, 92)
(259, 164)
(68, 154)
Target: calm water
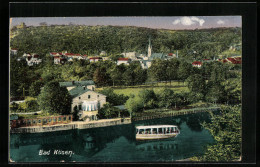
(115, 143)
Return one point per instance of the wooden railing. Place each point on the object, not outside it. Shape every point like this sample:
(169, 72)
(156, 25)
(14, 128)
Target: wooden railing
(175, 113)
(51, 120)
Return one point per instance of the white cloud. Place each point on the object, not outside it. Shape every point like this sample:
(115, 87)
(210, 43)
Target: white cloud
(187, 21)
(176, 21)
(220, 22)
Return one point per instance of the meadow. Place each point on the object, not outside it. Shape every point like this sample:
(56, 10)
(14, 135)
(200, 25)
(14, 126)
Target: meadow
(176, 86)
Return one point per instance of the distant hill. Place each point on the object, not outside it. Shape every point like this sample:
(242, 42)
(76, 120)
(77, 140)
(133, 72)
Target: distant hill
(92, 40)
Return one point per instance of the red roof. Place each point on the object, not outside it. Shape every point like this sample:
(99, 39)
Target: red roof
(14, 49)
(170, 54)
(196, 63)
(55, 53)
(56, 57)
(123, 59)
(230, 59)
(36, 56)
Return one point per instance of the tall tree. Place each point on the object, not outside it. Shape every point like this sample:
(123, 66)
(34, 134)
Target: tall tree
(196, 83)
(55, 99)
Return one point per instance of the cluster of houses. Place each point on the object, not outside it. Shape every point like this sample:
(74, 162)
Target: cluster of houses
(232, 60)
(128, 57)
(144, 59)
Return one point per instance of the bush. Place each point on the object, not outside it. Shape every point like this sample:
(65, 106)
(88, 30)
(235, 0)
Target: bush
(113, 98)
(108, 111)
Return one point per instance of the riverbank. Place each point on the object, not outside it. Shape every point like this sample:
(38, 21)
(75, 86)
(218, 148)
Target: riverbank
(72, 125)
(174, 113)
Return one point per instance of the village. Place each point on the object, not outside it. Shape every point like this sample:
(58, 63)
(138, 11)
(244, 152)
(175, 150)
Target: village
(144, 59)
(84, 97)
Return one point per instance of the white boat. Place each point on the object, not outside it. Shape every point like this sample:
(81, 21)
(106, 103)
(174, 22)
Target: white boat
(156, 132)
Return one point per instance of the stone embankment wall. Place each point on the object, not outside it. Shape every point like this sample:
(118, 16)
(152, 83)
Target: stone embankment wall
(72, 125)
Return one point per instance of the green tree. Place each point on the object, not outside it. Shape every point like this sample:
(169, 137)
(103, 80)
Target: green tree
(232, 90)
(158, 70)
(225, 127)
(31, 105)
(134, 105)
(35, 88)
(166, 98)
(148, 98)
(108, 111)
(172, 69)
(184, 71)
(113, 98)
(100, 77)
(55, 99)
(196, 83)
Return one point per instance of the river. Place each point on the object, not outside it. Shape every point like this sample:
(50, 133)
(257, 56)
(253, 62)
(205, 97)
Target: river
(114, 143)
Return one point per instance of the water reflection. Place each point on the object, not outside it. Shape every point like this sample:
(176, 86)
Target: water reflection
(114, 143)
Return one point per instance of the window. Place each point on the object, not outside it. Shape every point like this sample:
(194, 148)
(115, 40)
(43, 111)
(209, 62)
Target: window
(64, 118)
(89, 96)
(34, 121)
(79, 97)
(39, 121)
(50, 120)
(59, 118)
(97, 95)
(69, 118)
(54, 119)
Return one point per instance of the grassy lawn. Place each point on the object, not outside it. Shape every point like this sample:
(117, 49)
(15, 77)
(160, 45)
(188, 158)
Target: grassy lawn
(127, 90)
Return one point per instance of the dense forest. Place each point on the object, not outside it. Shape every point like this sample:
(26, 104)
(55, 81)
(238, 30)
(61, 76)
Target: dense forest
(91, 40)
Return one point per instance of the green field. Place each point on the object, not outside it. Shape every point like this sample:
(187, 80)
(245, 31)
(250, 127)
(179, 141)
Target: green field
(127, 90)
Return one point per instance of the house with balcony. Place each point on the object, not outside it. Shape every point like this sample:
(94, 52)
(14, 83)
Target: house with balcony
(84, 99)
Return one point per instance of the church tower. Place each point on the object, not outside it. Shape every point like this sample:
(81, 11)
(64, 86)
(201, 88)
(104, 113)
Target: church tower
(149, 48)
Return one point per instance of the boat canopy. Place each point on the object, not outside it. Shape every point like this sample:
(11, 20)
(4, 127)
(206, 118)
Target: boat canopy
(155, 126)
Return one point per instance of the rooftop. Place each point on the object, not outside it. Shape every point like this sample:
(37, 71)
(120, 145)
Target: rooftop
(158, 55)
(79, 90)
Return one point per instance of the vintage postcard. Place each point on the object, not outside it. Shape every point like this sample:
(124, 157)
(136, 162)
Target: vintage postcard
(125, 89)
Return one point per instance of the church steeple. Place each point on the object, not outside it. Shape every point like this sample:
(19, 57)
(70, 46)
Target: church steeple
(149, 48)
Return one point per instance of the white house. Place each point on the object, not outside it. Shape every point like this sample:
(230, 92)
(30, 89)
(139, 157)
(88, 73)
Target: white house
(32, 59)
(85, 99)
(59, 59)
(197, 64)
(13, 51)
(131, 55)
(73, 56)
(95, 59)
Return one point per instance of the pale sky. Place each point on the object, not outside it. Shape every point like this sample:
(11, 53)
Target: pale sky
(176, 22)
